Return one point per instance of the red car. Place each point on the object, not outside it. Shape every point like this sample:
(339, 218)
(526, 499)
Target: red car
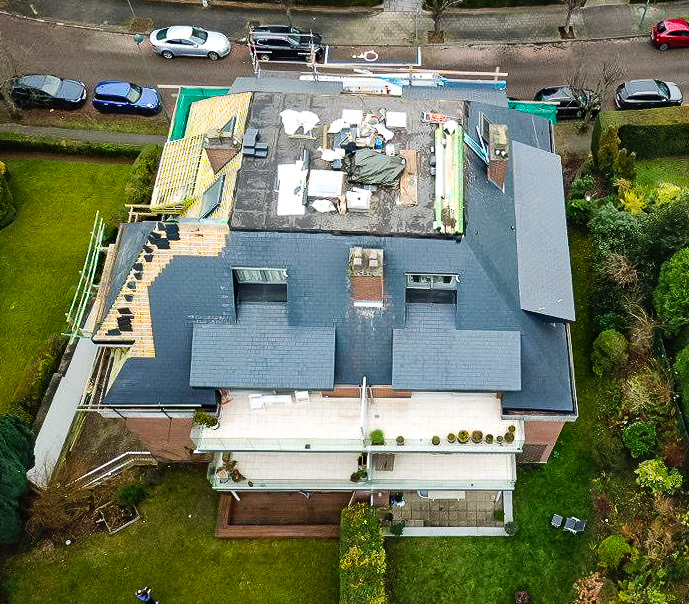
(670, 33)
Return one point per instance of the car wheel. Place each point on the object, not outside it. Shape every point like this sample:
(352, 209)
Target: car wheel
(663, 47)
(167, 54)
(264, 57)
(213, 56)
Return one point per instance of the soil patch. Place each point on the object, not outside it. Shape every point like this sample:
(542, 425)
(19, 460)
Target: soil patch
(99, 441)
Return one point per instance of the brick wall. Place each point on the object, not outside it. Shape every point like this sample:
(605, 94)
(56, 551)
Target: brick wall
(540, 438)
(166, 439)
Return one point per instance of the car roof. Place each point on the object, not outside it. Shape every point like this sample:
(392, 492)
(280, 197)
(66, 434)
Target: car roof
(179, 31)
(641, 86)
(114, 88)
(675, 24)
(35, 79)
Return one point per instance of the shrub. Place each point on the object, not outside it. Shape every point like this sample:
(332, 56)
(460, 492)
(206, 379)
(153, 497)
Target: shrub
(653, 474)
(499, 515)
(130, 495)
(583, 186)
(22, 142)
(612, 550)
(671, 296)
(609, 355)
(681, 368)
(511, 528)
(614, 231)
(362, 557)
(608, 451)
(463, 436)
(377, 437)
(580, 211)
(7, 208)
(605, 145)
(648, 393)
(397, 528)
(205, 419)
(624, 165)
(477, 436)
(640, 438)
(611, 320)
(667, 192)
(588, 589)
(139, 187)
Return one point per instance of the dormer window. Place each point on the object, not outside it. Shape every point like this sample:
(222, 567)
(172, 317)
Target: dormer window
(425, 288)
(260, 284)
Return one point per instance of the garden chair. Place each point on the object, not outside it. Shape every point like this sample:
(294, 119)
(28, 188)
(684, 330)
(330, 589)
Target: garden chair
(574, 525)
(556, 520)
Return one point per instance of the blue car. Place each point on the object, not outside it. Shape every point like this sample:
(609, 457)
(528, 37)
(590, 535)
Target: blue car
(125, 97)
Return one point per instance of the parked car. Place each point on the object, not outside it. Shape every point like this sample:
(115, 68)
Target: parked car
(670, 33)
(186, 41)
(569, 104)
(44, 90)
(277, 29)
(125, 97)
(646, 94)
(286, 46)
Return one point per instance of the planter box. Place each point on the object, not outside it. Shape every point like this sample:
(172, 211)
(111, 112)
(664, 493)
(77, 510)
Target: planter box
(115, 522)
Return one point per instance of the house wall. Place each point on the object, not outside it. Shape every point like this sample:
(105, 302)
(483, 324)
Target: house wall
(540, 438)
(166, 439)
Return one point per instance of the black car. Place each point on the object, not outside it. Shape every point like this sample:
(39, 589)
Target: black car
(569, 104)
(647, 94)
(286, 46)
(44, 90)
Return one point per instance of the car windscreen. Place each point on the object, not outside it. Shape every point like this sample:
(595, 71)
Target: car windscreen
(663, 89)
(134, 93)
(199, 35)
(51, 85)
(660, 28)
(162, 34)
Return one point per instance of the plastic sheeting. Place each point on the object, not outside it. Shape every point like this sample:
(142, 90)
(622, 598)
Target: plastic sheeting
(546, 110)
(369, 167)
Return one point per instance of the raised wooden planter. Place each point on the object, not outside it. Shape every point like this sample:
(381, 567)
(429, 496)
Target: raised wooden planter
(116, 517)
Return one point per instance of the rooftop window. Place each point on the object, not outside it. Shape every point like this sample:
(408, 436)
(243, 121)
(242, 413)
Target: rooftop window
(436, 289)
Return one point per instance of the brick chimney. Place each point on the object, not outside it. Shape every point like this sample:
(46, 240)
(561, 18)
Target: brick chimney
(498, 155)
(366, 277)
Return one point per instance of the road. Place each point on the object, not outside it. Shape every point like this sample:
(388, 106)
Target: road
(92, 55)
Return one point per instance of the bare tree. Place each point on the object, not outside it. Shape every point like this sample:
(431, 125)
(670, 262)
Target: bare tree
(438, 8)
(609, 73)
(8, 69)
(571, 6)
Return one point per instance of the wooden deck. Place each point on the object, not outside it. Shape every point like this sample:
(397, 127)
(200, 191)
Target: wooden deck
(261, 515)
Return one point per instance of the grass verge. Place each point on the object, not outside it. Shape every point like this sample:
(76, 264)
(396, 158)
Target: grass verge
(176, 553)
(652, 172)
(43, 250)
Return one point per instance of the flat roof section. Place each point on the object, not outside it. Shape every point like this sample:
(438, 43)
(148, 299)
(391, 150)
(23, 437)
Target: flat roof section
(255, 206)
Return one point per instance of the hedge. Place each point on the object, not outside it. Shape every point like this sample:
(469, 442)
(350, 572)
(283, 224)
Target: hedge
(649, 133)
(362, 557)
(139, 187)
(10, 141)
(7, 208)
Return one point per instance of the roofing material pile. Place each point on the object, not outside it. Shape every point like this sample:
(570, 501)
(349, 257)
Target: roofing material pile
(449, 178)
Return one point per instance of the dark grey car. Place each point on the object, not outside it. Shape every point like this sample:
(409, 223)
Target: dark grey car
(293, 46)
(569, 104)
(647, 94)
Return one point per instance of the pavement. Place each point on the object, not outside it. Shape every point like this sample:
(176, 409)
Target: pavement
(397, 23)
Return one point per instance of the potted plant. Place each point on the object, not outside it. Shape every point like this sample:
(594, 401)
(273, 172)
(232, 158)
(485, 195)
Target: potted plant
(499, 438)
(206, 419)
(512, 428)
(451, 437)
(400, 440)
(435, 441)
(509, 437)
(489, 439)
(463, 436)
(358, 475)
(236, 475)
(477, 436)
(377, 437)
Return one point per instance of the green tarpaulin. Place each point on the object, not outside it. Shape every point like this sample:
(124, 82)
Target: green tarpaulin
(546, 110)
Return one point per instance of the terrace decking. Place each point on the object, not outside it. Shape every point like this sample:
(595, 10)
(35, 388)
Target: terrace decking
(292, 515)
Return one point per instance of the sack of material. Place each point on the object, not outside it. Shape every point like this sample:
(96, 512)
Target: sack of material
(369, 167)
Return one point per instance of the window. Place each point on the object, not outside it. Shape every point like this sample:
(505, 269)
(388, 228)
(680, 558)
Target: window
(433, 289)
(260, 284)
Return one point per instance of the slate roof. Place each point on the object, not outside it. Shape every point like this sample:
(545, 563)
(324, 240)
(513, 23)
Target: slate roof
(195, 295)
(263, 351)
(545, 277)
(453, 359)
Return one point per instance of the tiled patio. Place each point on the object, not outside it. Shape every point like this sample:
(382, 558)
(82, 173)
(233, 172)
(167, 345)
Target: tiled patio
(476, 510)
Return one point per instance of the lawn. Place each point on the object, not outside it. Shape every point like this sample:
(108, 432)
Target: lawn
(539, 559)
(176, 553)
(652, 172)
(42, 252)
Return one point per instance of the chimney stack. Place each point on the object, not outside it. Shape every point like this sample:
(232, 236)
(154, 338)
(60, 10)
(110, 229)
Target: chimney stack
(366, 277)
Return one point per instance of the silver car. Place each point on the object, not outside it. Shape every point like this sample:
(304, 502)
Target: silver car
(186, 41)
